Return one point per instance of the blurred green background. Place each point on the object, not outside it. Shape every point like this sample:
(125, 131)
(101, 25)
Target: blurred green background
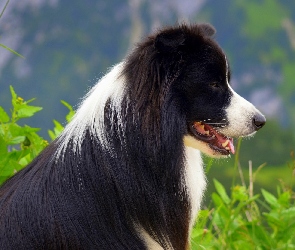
(69, 45)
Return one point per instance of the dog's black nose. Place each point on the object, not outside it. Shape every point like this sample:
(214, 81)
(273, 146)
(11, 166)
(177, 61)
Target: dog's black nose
(258, 121)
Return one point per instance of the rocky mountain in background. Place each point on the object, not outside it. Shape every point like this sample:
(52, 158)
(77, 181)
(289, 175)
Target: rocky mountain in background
(69, 45)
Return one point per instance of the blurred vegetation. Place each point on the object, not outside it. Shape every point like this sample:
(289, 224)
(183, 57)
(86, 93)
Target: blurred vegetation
(19, 145)
(64, 57)
(246, 219)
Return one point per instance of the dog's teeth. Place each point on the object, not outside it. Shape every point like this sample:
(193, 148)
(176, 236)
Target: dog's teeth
(225, 144)
(206, 132)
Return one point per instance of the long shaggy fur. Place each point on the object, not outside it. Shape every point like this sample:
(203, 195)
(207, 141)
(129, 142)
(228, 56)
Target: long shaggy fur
(120, 176)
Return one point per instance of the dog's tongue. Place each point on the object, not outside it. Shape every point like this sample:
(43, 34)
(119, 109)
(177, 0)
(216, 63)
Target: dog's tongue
(231, 146)
(227, 143)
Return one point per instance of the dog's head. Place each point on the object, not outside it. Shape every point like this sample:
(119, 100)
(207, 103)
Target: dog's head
(214, 112)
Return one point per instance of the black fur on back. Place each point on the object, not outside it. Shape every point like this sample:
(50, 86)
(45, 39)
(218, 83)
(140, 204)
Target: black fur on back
(102, 198)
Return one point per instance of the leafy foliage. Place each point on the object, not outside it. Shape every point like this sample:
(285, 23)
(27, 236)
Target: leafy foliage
(19, 145)
(58, 127)
(244, 220)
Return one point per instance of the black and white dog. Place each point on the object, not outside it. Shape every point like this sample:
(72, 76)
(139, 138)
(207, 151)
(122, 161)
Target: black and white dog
(126, 173)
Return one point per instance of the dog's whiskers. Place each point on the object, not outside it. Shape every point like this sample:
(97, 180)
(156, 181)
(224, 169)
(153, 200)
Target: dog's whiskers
(218, 124)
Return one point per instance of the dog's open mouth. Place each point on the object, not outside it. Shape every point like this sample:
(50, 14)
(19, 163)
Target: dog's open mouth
(217, 141)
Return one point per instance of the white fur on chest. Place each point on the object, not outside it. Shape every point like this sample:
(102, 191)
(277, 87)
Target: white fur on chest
(195, 180)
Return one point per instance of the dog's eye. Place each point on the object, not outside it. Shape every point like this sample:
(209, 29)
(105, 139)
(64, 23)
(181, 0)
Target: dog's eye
(214, 85)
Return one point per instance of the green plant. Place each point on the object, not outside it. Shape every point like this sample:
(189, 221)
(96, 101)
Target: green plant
(19, 145)
(58, 127)
(244, 220)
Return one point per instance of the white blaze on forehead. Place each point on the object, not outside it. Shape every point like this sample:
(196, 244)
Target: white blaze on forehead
(90, 114)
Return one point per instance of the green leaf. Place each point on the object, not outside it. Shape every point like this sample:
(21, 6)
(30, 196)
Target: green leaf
(6, 169)
(33, 99)
(242, 244)
(51, 134)
(273, 218)
(67, 105)
(13, 95)
(239, 193)
(284, 199)
(16, 140)
(25, 160)
(260, 236)
(270, 198)
(71, 113)
(4, 117)
(13, 130)
(217, 200)
(3, 146)
(221, 215)
(27, 129)
(289, 214)
(27, 111)
(58, 128)
(9, 164)
(221, 191)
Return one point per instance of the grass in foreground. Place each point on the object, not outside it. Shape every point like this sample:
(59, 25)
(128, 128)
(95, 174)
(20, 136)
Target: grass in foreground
(244, 219)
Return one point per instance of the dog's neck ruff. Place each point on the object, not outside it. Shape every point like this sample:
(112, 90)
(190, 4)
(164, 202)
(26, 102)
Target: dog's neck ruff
(90, 115)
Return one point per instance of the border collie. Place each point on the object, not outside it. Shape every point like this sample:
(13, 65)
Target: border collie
(127, 173)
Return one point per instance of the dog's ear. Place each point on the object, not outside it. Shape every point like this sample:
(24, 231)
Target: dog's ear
(169, 41)
(176, 39)
(206, 29)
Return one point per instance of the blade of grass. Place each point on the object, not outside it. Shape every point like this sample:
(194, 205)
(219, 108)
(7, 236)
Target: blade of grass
(257, 171)
(11, 50)
(4, 8)
(237, 157)
(241, 175)
(251, 183)
(209, 165)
